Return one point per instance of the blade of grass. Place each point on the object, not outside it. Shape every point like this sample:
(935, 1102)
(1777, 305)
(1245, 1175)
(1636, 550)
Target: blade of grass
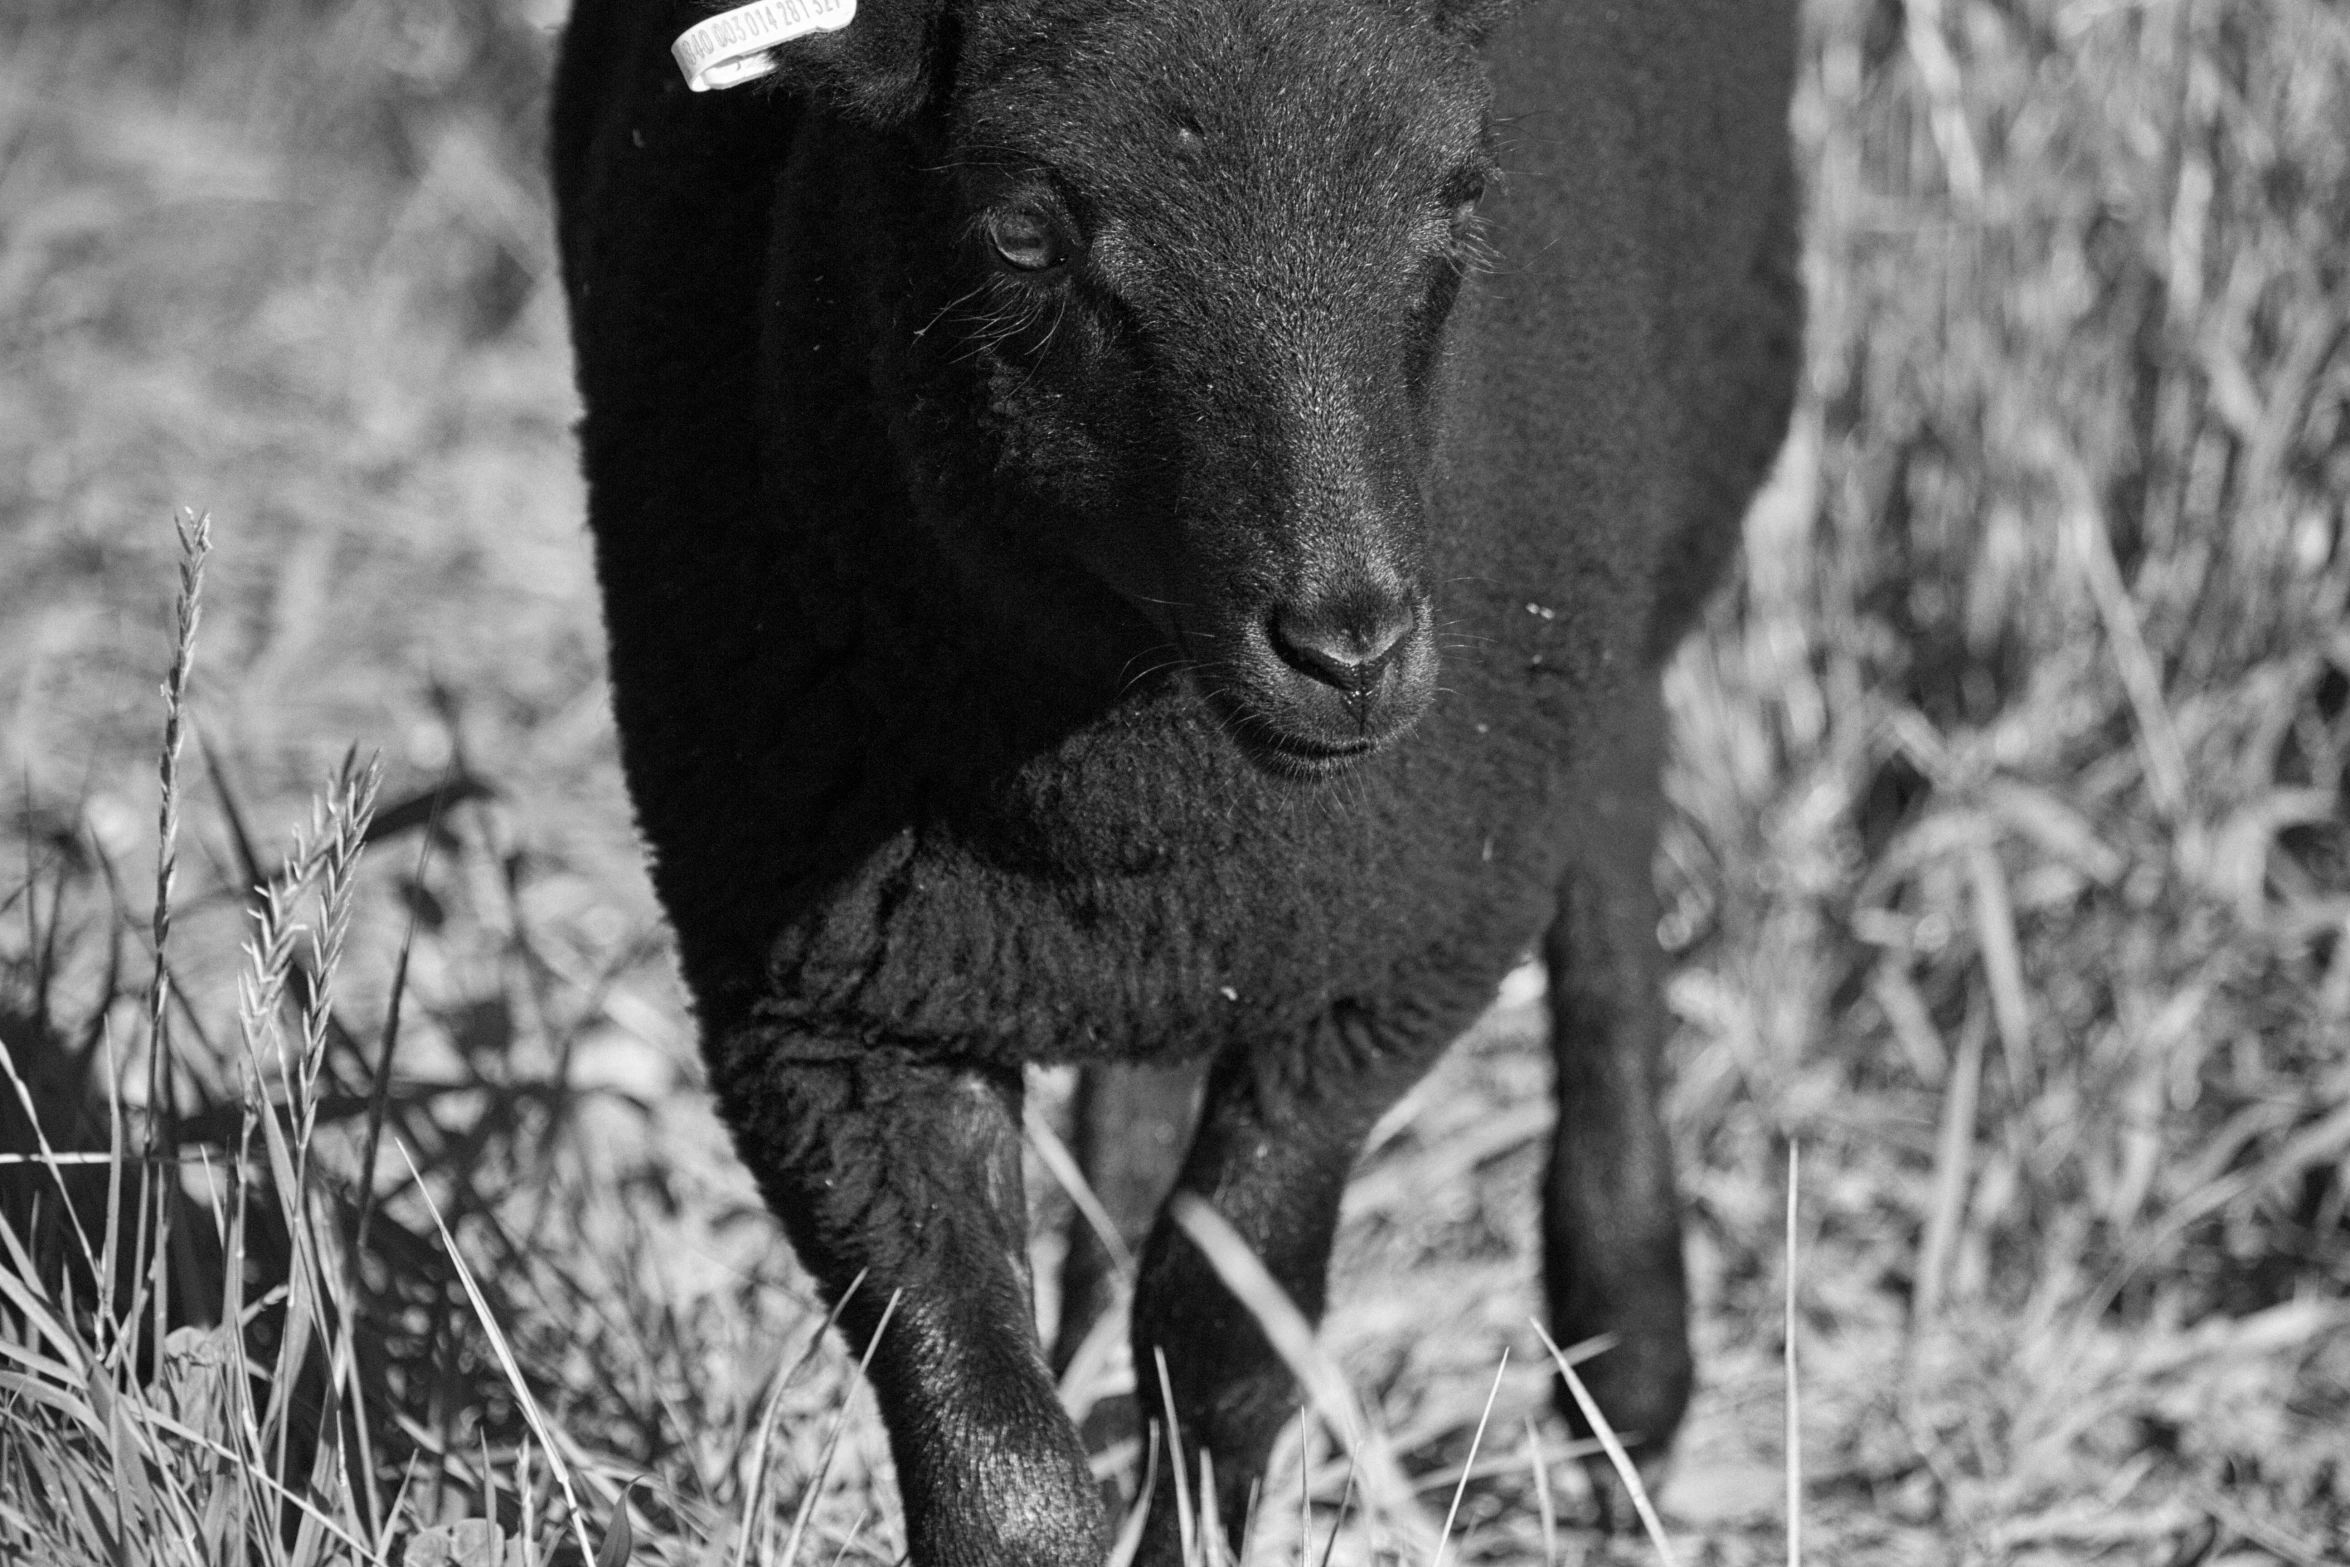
(855, 1529)
(2003, 964)
(42, 1391)
(1346, 1496)
(2090, 544)
(1794, 1411)
(1305, 1484)
(808, 1500)
(1129, 1540)
(1539, 1461)
(1185, 1522)
(1626, 1471)
(1065, 1170)
(380, 1092)
(1292, 1338)
(48, 1156)
(1453, 1512)
(773, 1406)
(523, 1398)
(1091, 1375)
(1953, 1155)
(1211, 1522)
(114, 1163)
(526, 1493)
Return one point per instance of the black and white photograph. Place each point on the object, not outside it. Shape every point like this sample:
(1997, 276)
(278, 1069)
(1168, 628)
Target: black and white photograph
(1174, 783)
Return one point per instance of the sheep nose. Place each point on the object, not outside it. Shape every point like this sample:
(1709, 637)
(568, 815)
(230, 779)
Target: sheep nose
(1344, 645)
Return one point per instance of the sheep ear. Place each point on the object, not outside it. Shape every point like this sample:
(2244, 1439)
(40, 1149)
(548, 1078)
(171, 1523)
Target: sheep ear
(873, 60)
(1473, 19)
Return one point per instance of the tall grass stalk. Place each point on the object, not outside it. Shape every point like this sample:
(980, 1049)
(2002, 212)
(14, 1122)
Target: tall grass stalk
(158, 1184)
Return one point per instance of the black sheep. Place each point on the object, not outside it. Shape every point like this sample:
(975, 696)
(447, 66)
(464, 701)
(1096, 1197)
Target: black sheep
(1119, 546)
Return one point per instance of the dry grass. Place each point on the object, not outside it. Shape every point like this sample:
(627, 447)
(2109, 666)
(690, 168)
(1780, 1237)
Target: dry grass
(2011, 871)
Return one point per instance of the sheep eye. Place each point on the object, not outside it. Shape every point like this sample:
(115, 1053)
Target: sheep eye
(1026, 240)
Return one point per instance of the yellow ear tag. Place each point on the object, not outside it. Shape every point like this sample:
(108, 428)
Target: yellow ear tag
(739, 46)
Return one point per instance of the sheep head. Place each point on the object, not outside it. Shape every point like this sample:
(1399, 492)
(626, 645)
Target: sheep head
(1196, 270)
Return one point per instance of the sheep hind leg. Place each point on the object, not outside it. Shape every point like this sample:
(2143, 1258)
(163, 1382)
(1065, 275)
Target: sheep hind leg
(1271, 1156)
(1611, 1214)
(899, 1182)
(1129, 1127)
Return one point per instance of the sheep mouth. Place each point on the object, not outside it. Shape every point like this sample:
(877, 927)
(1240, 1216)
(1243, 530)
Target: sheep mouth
(1298, 722)
(1290, 755)
(1285, 749)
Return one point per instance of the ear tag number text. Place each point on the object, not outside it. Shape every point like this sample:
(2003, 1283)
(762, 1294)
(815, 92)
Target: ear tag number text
(739, 46)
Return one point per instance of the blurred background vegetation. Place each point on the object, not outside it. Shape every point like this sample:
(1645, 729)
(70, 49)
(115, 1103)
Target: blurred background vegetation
(2010, 873)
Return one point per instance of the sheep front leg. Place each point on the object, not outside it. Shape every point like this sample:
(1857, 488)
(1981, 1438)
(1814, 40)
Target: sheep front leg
(902, 1176)
(1272, 1155)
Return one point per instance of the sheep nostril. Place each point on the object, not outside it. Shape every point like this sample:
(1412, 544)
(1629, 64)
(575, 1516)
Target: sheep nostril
(1347, 649)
